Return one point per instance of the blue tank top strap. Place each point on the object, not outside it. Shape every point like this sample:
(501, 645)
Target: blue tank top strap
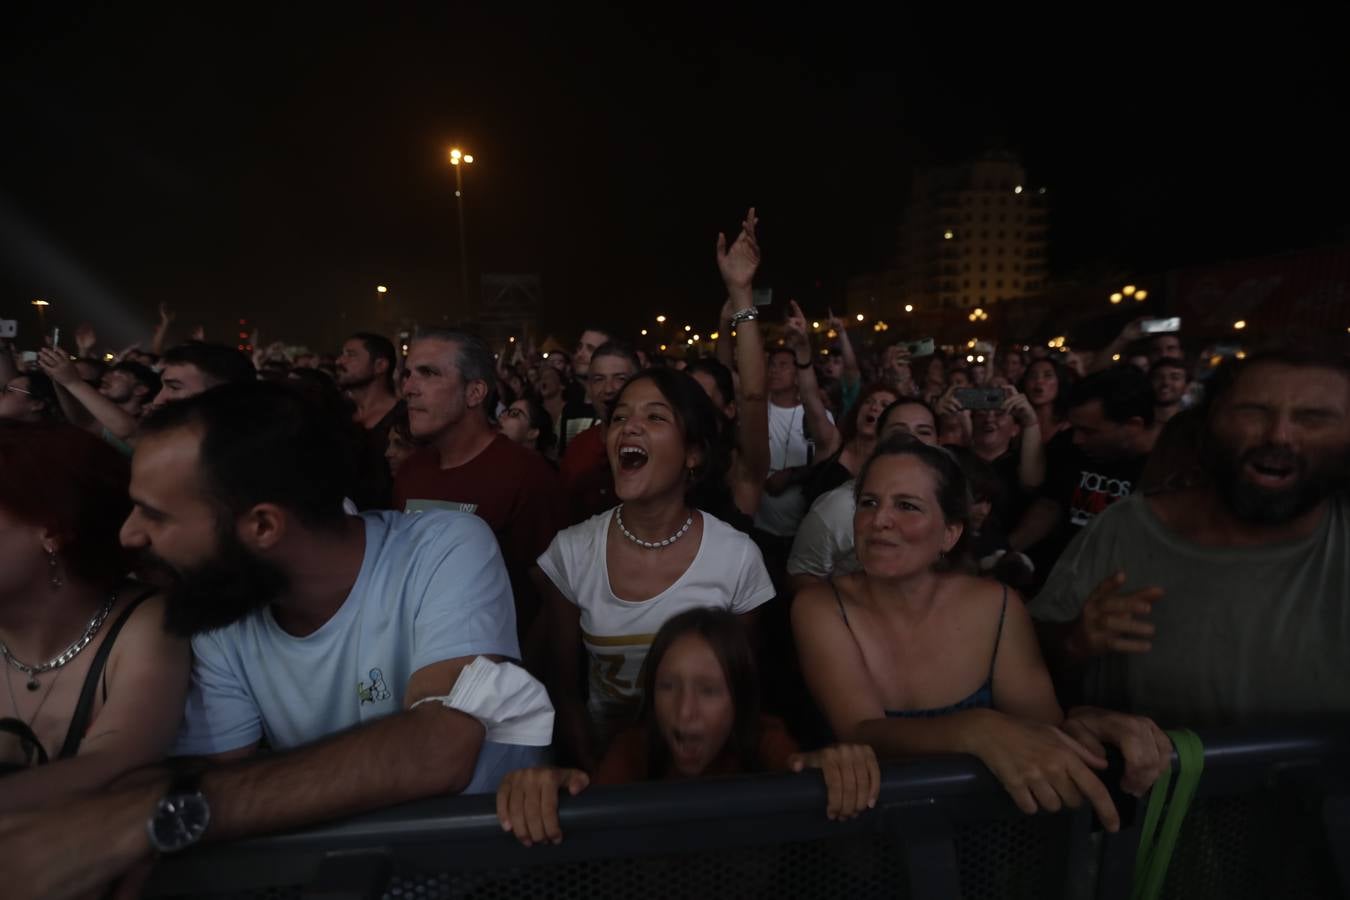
(983, 698)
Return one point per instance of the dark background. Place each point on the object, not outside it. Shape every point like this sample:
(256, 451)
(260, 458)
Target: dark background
(278, 164)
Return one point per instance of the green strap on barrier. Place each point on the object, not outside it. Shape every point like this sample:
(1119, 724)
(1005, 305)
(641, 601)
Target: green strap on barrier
(1160, 830)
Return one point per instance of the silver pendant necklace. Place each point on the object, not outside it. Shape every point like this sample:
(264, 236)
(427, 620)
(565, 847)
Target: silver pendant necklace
(66, 655)
(652, 545)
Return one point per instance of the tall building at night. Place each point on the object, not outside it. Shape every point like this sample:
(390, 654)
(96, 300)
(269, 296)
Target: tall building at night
(973, 235)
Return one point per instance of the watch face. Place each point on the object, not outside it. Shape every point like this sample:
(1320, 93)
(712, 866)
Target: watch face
(179, 822)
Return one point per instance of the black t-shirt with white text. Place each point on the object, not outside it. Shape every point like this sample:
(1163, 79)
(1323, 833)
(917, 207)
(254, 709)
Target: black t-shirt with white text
(1082, 487)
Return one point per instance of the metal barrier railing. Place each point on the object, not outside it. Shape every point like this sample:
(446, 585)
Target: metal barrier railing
(1272, 804)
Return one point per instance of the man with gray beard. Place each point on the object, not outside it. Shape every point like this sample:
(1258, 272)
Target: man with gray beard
(1227, 600)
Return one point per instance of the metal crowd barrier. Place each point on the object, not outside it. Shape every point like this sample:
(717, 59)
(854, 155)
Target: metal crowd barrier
(1271, 819)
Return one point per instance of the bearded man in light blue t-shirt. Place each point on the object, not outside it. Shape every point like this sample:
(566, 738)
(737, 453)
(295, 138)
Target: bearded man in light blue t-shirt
(367, 653)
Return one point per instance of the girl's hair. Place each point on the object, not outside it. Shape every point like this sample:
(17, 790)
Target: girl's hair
(726, 636)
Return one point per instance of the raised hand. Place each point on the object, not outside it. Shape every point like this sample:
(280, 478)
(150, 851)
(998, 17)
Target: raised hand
(834, 321)
(1019, 407)
(1114, 622)
(796, 325)
(85, 339)
(166, 315)
(56, 363)
(739, 263)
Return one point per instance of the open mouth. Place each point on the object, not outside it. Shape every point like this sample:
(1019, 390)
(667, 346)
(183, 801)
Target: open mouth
(1272, 474)
(685, 745)
(632, 458)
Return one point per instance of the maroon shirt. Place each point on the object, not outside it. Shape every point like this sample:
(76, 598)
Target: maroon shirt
(511, 488)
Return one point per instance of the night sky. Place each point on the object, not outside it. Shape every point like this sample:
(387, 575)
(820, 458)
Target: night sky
(280, 165)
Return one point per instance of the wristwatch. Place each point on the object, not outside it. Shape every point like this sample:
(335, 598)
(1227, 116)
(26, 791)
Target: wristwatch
(749, 314)
(181, 816)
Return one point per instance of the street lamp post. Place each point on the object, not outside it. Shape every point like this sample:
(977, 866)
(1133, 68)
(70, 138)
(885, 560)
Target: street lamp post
(459, 160)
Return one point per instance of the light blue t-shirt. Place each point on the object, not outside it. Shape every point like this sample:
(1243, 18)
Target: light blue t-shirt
(432, 587)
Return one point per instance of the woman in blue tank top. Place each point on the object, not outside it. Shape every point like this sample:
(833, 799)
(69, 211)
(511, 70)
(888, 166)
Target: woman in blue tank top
(916, 658)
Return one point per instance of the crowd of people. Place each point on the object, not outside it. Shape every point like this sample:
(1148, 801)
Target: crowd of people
(241, 595)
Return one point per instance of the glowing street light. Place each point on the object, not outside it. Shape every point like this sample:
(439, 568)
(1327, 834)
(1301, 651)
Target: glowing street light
(660, 320)
(1140, 296)
(644, 332)
(1017, 190)
(815, 325)
(1117, 297)
(456, 157)
(714, 336)
(948, 235)
(688, 328)
(40, 303)
(909, 307)
(861, 317)
(1128, 290)
(1239, 324)
(381, 289)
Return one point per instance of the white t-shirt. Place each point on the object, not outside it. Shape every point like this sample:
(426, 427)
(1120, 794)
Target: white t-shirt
(824, 542)
(432, 587)
(787, 450)
(727, 573)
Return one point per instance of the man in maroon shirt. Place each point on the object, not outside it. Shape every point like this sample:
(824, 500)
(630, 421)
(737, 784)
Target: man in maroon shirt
(584, 468)
(450, 391)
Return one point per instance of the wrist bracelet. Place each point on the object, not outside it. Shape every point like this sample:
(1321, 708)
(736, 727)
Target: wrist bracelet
(749, 314)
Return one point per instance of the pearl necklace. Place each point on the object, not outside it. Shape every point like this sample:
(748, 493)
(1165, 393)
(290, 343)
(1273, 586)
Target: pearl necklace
(652, 545)
(65, 655)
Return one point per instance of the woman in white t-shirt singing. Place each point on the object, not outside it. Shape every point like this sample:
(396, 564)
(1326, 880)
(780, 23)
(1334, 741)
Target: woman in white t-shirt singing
(612, 581)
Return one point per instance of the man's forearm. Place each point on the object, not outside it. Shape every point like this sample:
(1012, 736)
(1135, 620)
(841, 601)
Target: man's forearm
(417, 753)
(108, 414)
(1031, 468)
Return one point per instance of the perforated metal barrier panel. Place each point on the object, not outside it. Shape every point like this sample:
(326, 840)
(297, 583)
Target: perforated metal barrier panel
(943, 829)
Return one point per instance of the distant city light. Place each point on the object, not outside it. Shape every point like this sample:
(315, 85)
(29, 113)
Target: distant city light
(1017, 190)
(381, 289)
(1116, 298)
(1128, 290)
(644, 332)
(660, 320)
(815, 325)
(861, 317)
(909, 307)
(1115, 357)
(714, 336)
(1239, 324)
(947, 235)
(688, 328)
(1140, 295)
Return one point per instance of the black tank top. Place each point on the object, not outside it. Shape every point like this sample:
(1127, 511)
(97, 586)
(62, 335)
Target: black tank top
(34, 752)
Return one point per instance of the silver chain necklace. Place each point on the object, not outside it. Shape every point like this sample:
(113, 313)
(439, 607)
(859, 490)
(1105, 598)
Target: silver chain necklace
(652, 545)
(65, 655)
